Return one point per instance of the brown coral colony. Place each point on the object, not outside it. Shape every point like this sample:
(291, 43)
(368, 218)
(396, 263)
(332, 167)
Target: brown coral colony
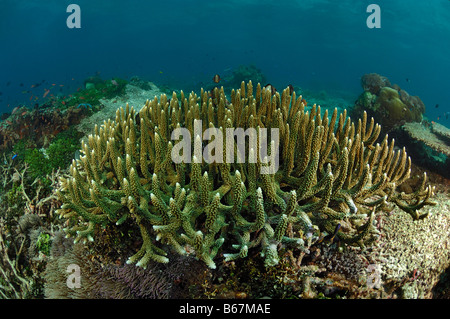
(390, 105)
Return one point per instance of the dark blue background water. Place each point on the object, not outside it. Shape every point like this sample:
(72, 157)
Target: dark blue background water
(313, 44)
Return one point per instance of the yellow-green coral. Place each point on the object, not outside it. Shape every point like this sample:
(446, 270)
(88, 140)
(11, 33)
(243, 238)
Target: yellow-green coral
(331, 171)
(393, 109)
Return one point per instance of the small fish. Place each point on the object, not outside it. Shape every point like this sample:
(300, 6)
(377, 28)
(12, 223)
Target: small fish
(331, 237)
(23, 113)
(304, 102)
(291, 89)
(86, 105)
(61, 85)
(46, 92)
(436, 106)
(216, 78)
(407, 80)
(160, 72)
(53, 84)
(31, 97)
(114, 82)
(14, 156)
(271, 88)
(438, 118)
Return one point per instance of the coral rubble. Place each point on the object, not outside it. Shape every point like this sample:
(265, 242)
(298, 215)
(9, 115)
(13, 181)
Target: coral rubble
(26, 222)
(407, 260)
(332, 178)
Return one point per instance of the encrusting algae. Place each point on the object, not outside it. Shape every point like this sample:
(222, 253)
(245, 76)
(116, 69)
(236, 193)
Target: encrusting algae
(331, 172)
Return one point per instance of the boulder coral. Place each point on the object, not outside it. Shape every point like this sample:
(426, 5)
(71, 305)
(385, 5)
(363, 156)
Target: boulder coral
(331, 172)
(388, 104)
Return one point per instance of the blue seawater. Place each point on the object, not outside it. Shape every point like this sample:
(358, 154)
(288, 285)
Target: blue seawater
(314, 44)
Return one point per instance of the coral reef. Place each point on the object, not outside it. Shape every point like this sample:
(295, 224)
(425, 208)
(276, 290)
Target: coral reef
(331, 175)
(402, 257)
(96, 89)
(38, 126)
(388, 104)
(42, 161)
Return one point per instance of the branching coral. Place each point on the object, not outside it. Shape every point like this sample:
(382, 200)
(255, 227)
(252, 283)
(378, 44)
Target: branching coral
(330, 172)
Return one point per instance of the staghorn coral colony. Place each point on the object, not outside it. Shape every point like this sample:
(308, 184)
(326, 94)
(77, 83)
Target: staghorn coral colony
(332, 177)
